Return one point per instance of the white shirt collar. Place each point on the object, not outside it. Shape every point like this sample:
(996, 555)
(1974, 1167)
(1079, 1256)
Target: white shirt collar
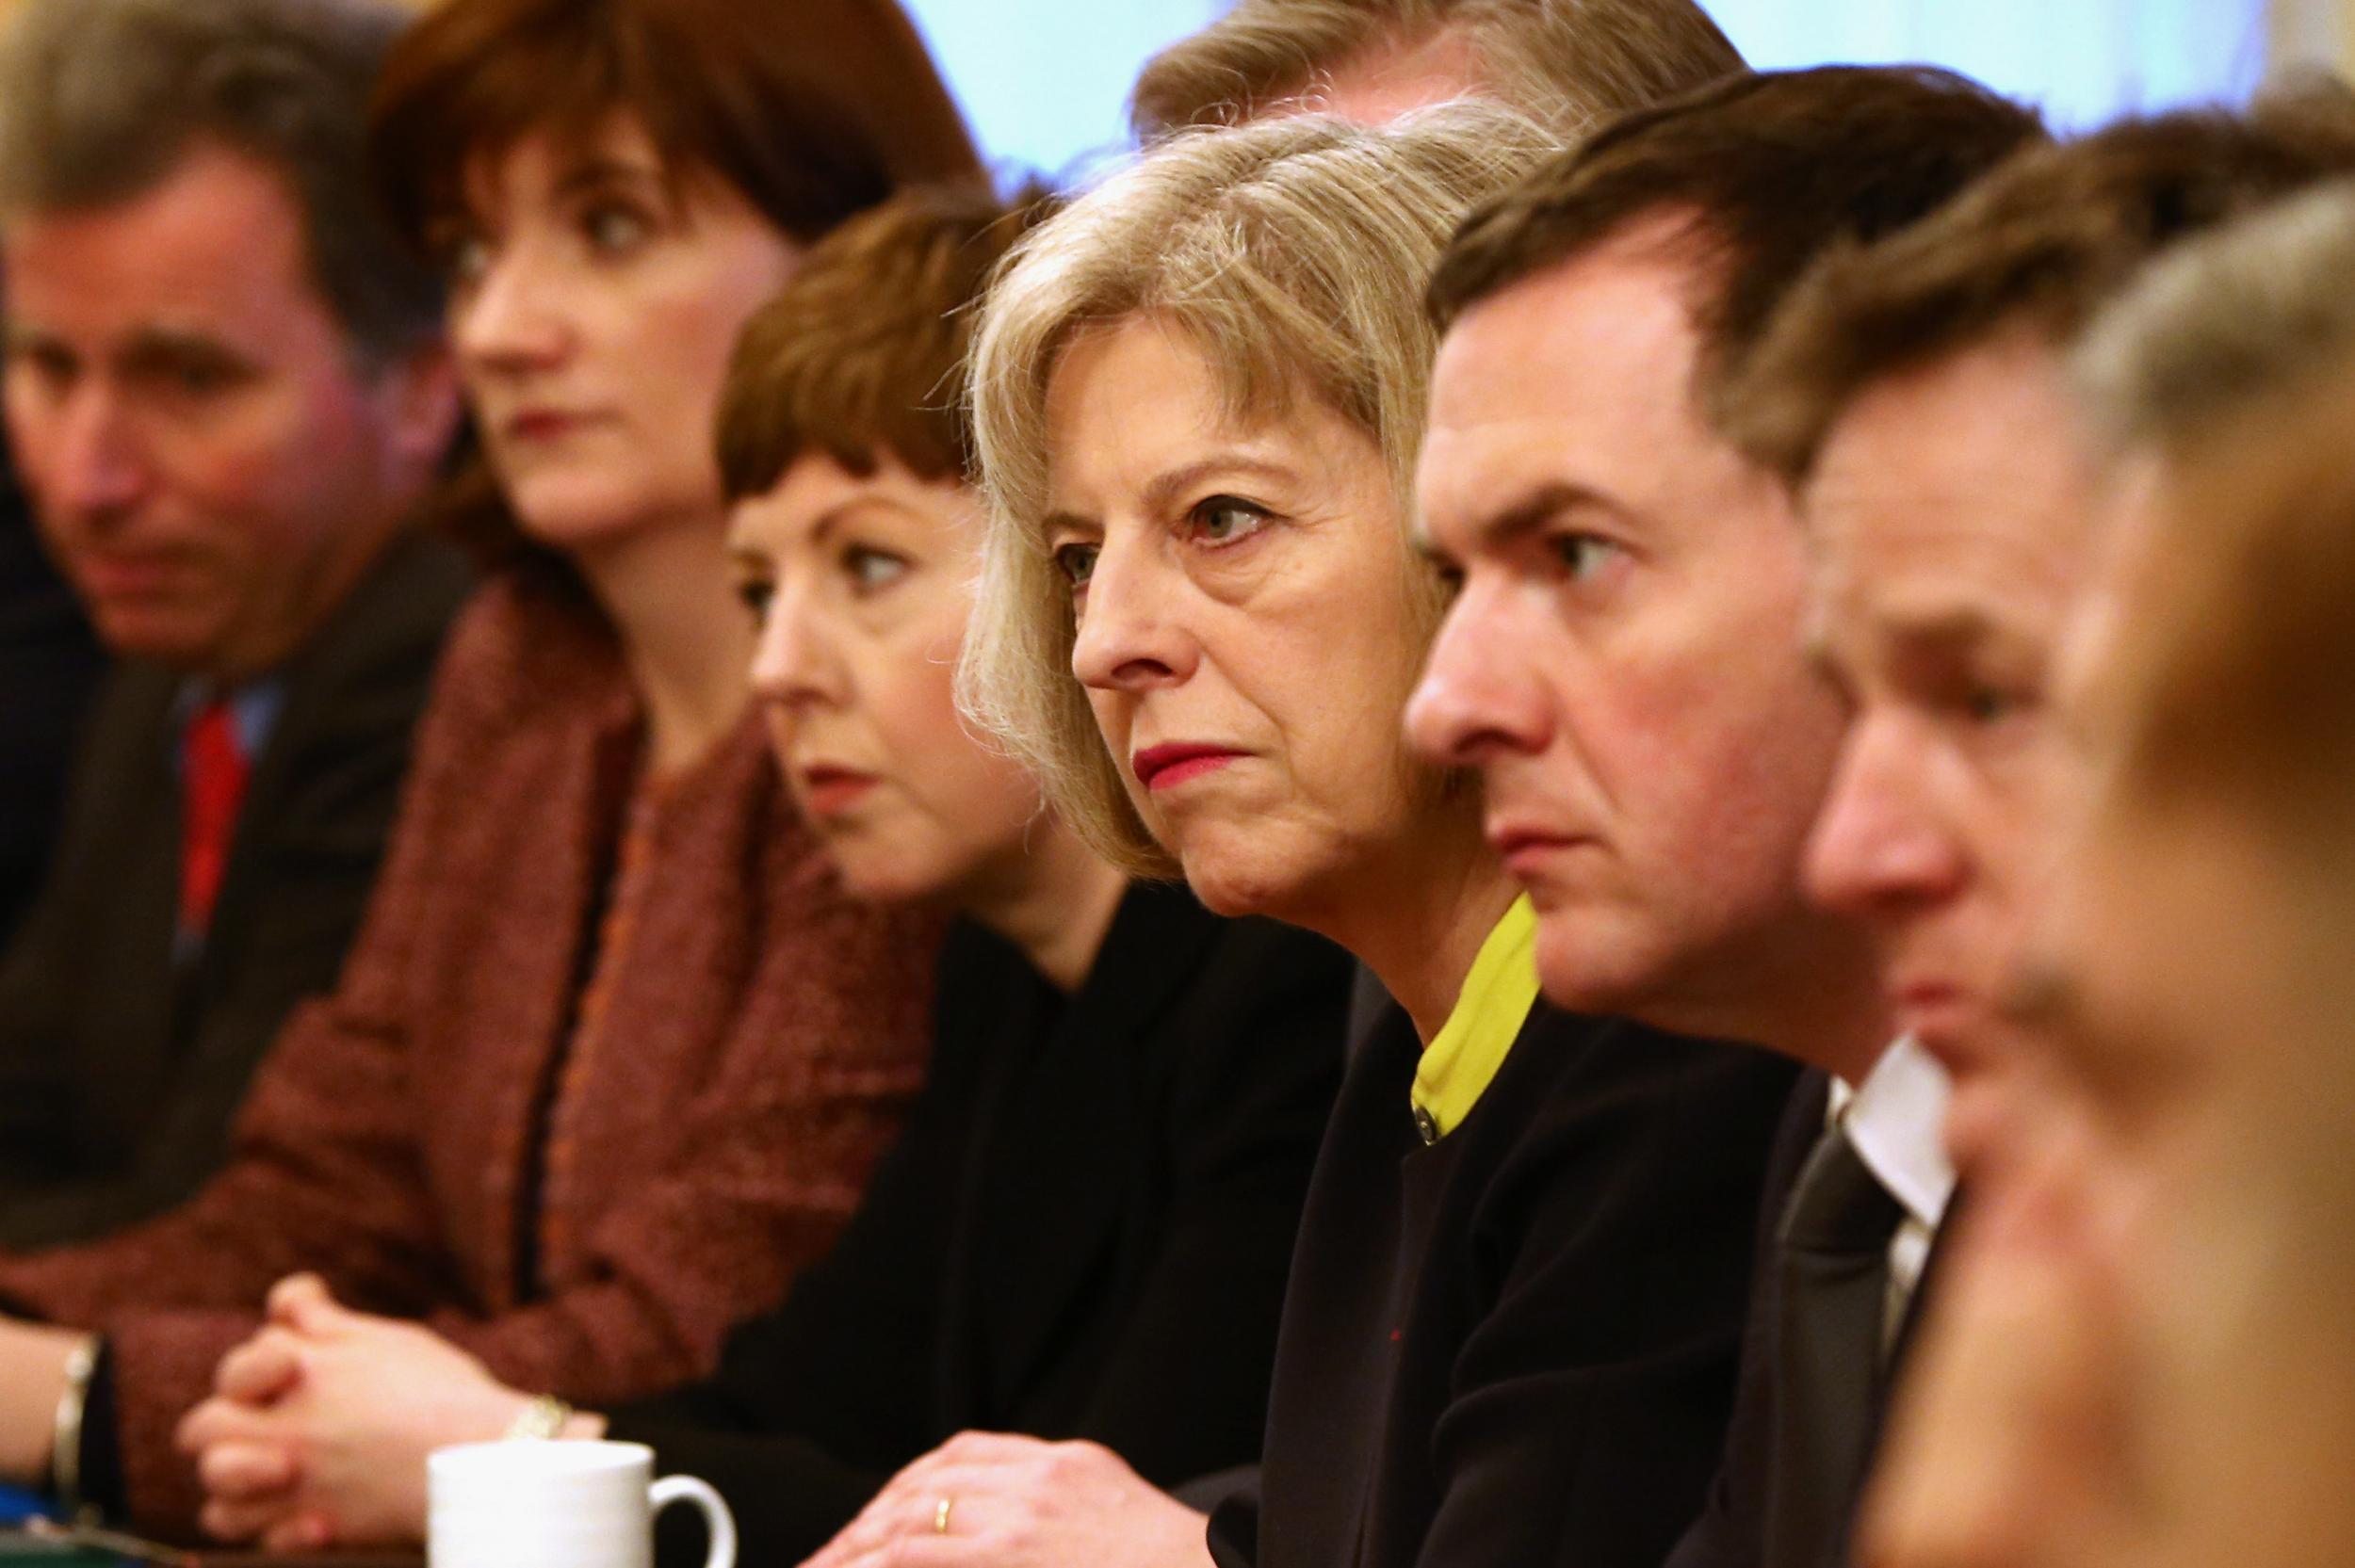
(1896, 1119)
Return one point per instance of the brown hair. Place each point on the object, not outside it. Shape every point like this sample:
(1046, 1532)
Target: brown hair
(2041, 246)
(1569, 63)
(862, 354)
(1771, 167)
(812, 109)
(102, 101)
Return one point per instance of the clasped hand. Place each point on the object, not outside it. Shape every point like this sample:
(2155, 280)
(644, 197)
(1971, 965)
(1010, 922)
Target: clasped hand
(318, 1427)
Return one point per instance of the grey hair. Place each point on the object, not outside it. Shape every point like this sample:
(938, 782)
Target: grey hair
(1572, 64)
(102, 101)
(2224, 321)
(1294, 252)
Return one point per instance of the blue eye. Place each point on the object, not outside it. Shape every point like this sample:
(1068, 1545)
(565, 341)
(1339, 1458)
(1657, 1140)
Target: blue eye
(1076, 562)
(1223, 520)
(1582, 556)
(613, 228)
(754, 595)
(1987, 706)
(871, 570)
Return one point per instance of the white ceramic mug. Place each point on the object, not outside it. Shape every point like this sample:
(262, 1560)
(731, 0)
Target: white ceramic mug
(551, 1504)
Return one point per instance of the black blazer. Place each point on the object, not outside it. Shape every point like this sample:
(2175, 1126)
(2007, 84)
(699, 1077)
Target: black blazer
(121, 1067)
(1731, 1530)
(49, 663)
(1515, 1347)
(1084, 1232)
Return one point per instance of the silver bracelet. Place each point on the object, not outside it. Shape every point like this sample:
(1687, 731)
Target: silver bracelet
(65, 1431)
(542, 1419)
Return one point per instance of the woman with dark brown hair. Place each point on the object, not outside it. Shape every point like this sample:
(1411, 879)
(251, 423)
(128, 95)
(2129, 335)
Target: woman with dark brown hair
(614, 1054)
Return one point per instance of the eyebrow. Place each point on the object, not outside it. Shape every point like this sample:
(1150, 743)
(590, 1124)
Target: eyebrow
(1535, 510)
(1950, 632)
(593, 173)
(149, 345)
(1163, 491)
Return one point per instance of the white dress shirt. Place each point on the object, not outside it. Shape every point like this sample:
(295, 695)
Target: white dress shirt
(1896, 1120)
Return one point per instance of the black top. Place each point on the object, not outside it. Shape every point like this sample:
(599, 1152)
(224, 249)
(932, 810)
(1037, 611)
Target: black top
(49, 664)
(121, 1065)
(1084, 1232)
(1731, 1532)
(1515, 1347)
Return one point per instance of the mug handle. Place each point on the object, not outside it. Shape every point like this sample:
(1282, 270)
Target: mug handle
(672, 1488)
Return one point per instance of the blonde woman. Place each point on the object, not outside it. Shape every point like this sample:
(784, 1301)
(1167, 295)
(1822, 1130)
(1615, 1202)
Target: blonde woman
(1510, 1332)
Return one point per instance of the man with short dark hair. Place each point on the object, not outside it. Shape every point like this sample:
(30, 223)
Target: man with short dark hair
(1919, 394)
(1572, 64)
(227, 400)
(1623, 668)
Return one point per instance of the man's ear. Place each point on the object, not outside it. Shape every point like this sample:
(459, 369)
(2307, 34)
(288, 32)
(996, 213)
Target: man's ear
(418, 395)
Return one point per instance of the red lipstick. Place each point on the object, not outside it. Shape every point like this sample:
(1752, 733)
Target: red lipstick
(1167, 767)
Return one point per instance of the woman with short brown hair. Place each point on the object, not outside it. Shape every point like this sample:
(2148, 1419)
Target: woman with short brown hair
(613, 1054)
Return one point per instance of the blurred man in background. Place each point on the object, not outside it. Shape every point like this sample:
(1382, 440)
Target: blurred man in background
(227, 400)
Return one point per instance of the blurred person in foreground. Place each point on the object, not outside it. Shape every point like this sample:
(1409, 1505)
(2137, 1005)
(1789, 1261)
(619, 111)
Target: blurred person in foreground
(1510, 1330)
(1084, 1231)
(613, 1056)
(1622, 666)
(1917, 392)
(227, 396)
(1572, 65)
(2146, 1358)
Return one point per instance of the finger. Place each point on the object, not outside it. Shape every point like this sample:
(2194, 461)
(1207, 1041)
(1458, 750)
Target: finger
(927, 1551)
(248, 1471)
(262, 1370)
(225, 1521)
(220, 1421)
(303, 1303)
(301, 1533)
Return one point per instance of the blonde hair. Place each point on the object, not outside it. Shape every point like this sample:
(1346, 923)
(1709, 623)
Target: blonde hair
(1293, 254)
(2223, 319)
(1572, 64)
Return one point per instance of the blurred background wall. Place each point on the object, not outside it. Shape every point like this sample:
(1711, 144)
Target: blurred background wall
(1045, 81)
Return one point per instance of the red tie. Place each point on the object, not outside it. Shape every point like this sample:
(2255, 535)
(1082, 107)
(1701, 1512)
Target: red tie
(212, 783)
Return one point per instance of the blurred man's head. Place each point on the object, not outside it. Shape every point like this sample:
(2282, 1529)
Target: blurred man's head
(1622, 664)
(1919, 391)
(223, 381)
(2145, 1341)
(1573, 64)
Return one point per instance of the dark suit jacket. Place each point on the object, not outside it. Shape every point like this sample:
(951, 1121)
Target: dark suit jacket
(120, 1067)
(1082, 1233)
(1515, 1346)
(49, 664)
(1732, 1531)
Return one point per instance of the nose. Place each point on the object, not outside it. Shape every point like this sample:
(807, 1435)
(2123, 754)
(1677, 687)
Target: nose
(1475, 699)
(98, 465)
(793, 667)
(507, 320)
(1880, 845)
(1130, 635)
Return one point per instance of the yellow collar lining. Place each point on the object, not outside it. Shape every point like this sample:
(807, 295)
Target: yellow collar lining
(1469, 1049)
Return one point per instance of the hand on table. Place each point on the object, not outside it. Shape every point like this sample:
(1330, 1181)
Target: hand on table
(318, 1427)
(1017, 1502)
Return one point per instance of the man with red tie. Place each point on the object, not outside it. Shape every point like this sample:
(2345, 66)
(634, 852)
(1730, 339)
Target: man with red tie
(227, 400)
